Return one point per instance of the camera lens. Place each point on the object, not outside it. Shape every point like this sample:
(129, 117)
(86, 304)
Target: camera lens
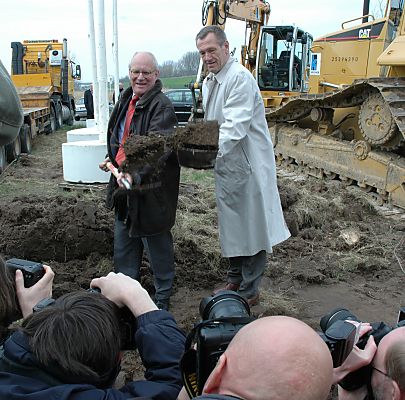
(224, 304)
(338, 314)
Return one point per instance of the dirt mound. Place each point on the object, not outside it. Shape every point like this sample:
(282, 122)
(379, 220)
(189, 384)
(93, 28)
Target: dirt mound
(55, 228)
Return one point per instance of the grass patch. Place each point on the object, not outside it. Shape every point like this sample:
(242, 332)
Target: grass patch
(179, 82)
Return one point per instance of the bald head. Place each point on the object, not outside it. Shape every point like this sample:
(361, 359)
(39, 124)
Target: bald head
(274, 358)
(390, 359)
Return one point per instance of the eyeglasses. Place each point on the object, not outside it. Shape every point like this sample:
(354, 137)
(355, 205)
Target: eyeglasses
(146, 74)
(381, 372)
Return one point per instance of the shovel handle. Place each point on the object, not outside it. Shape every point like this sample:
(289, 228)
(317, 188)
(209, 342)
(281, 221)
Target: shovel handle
(116, 173)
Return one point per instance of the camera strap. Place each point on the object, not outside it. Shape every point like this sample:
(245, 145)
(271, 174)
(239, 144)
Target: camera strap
(188, 362)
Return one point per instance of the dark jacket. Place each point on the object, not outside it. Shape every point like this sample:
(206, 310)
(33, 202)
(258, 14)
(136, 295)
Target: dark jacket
(151, 207)
(88, 103)
(160, 344)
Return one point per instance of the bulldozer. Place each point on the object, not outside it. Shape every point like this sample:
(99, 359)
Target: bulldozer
(351, 122)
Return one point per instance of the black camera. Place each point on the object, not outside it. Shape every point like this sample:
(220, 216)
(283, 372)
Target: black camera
(341, 338)
(32, 271)
(127, 323)
(223, 315)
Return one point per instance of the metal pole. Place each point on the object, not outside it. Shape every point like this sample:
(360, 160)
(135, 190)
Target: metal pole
(366, 10)
(115, 50)
(102, 73)
(92, 41)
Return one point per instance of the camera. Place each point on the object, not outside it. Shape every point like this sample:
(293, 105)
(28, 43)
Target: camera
(223, 315)
(340, 338)
(127, 324)
(32, 271)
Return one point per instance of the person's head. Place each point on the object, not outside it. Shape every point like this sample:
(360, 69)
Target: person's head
(388, 376)
(213, 47)
(143, 72)
(9, 308)
(120, 86)
(77, 338)
(274, 358)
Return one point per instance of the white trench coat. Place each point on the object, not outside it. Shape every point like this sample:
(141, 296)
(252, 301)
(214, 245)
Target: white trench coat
(250, 217)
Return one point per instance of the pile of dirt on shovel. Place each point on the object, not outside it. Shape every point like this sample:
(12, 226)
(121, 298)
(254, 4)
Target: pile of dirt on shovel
(144, 152)
(198, 135)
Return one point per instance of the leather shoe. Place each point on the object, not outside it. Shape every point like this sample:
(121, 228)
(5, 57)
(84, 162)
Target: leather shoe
(252, 301)
(229, 286)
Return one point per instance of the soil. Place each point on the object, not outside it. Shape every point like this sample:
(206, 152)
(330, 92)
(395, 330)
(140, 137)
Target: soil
(344, 250)
(144, 151)
(198, 135)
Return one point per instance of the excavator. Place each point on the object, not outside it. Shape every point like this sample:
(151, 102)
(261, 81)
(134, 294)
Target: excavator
(351, 123)
(278, 56)
(335, 105)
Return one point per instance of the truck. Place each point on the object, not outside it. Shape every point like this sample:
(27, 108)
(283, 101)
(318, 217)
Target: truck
(44, 78)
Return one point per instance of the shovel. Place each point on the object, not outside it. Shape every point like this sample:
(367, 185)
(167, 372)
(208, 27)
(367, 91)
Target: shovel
(115, 172)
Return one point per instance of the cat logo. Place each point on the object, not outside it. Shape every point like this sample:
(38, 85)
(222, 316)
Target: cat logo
(364, 33)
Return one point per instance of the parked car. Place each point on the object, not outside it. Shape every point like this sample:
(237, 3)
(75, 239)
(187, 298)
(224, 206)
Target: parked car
(81, 111)
(182, 100)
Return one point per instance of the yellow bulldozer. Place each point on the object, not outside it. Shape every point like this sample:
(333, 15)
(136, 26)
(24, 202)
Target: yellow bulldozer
(351, 123)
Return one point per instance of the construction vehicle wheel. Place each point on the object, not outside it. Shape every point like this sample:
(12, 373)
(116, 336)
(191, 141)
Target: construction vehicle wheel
(13, 150)
(26, 139)
(59, 119)
(3, 159)
(52, 122)
(70, 120)
(376, 121)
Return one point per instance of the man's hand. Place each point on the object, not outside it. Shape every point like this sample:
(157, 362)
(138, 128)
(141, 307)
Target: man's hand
(29, 297)
(357, 359)
(122, 176)
(125, 291)
(103, 165)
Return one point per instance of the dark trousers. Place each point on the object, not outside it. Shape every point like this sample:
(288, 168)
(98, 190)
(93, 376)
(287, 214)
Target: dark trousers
(247, 271)
(128, 252)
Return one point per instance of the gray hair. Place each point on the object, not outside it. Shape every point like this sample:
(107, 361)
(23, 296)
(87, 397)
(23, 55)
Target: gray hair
(216, 30)
(151, 55)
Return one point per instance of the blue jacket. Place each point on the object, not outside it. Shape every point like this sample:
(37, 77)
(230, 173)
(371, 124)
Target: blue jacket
(160, 344)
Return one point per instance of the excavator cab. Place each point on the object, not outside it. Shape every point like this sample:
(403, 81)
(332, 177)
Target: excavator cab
(283, 59)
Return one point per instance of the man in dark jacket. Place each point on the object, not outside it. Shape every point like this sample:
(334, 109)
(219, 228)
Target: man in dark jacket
(88, 102)
(145, 214)
(70, 350)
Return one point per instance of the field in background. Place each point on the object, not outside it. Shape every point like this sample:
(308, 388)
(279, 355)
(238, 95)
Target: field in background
(179, 82)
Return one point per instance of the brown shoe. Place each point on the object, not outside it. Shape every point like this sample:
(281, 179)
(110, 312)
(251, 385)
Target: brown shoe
(229, 286)
(252, 301)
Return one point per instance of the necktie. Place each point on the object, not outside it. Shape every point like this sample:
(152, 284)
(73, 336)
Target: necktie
(120, 157)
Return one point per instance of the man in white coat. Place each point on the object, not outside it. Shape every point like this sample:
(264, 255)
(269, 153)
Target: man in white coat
(250, 217)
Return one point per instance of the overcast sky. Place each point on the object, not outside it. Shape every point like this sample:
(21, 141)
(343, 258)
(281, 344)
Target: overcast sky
(165, 27)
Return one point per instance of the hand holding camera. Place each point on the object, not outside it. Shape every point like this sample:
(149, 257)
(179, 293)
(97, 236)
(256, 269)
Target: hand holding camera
(33, 282)
(125, 291)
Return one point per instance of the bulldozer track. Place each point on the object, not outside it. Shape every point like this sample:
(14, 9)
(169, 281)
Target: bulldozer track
(361, 162)
(391, 89)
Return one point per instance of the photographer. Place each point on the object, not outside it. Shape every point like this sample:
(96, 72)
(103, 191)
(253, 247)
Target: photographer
(70, 350)
(16, 301)
(387, 368)
(272, 358)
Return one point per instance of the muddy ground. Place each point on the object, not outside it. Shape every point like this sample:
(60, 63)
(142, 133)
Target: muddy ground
(343, 251)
